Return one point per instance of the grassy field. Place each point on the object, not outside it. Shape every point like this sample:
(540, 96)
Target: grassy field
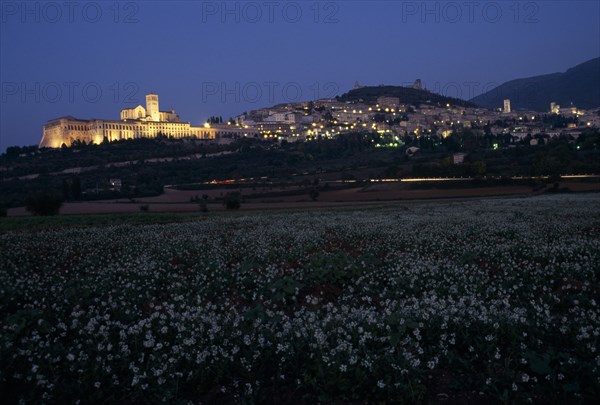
(38, 223)
(465, 302)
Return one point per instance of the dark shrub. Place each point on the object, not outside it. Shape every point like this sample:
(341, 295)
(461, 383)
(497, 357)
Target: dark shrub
(43, 203)
(232, 201)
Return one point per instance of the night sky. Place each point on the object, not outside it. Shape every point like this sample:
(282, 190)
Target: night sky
(214, 58)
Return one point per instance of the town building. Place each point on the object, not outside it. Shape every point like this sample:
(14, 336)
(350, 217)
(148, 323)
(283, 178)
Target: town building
(458, 158)
(388, 102)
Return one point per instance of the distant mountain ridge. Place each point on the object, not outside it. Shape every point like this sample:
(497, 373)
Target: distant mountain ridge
(579, 86)
(407, 95)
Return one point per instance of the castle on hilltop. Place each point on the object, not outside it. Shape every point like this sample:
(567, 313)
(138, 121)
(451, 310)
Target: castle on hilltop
(138, 122)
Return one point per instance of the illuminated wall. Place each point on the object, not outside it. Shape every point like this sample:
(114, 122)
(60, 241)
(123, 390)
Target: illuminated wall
(138, 122)
(136, 113)
(67, 130)
(152, 110)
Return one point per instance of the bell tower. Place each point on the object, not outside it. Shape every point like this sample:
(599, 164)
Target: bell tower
(152, 107)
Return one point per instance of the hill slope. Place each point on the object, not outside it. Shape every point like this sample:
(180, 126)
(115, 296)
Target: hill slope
(579, 85)
(406, 95)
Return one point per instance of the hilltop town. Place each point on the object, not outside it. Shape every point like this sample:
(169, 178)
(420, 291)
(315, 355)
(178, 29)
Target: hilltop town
(367, 135)
(388, 115)
(397, 114)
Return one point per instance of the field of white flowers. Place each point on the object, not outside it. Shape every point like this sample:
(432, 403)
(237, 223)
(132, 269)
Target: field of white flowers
(470, 301)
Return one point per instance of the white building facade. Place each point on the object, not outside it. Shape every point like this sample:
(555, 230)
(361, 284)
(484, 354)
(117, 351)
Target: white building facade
(138, 122)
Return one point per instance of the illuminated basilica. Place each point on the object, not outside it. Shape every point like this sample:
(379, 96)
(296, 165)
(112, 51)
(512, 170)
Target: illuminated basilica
(138, 122)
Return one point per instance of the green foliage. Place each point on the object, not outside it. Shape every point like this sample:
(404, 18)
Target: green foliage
(346, 157)
(14, 152)
(446, 168)
(334, 269)
(479, 168)
(71, 188)
(283, 289)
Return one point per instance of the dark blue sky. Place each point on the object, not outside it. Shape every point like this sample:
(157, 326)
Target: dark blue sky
(223, 58)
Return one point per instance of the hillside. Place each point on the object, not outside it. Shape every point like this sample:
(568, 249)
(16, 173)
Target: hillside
(406, 95)
(579, 85)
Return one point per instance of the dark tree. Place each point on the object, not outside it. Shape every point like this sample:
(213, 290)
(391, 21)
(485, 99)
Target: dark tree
(76, 188)
(66, 189)
(43, 203)
(232, 201)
